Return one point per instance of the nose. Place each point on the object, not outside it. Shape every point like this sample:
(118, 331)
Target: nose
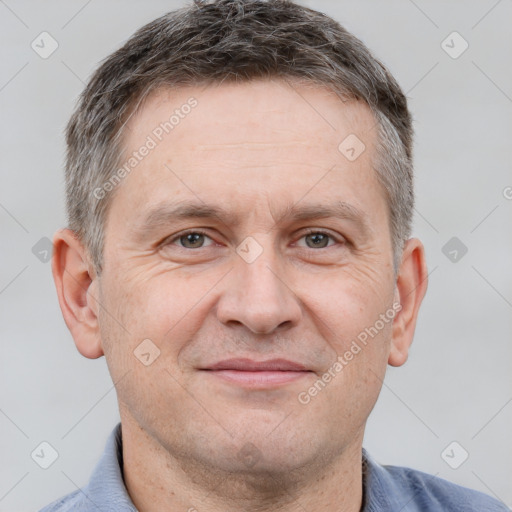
(258, 296)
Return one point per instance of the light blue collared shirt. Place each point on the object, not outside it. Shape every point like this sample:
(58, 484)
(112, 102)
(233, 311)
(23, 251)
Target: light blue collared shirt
(386, 489)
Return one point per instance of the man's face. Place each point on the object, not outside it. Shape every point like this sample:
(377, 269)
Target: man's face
(257, 281)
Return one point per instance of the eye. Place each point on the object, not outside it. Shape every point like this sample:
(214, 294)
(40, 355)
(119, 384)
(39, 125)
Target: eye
(196, 238)
(317, 239)
(193, 239)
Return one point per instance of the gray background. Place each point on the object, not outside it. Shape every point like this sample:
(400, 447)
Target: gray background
(457, 384)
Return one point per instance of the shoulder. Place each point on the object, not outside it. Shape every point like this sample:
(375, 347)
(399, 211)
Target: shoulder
(105, 490)
(411, 490)
(441, 494)
(68, 503)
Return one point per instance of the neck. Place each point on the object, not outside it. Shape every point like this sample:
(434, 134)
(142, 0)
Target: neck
(158, 480)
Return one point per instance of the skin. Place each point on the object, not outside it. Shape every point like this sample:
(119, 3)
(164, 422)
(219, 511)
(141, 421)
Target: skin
(254, 149)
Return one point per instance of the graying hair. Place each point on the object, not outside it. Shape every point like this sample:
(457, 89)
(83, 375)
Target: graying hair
(216, 41)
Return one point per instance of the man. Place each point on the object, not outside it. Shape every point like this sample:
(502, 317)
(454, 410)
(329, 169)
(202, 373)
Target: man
(239, 191)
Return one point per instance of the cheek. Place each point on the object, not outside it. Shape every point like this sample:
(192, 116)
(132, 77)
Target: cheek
(350, 386)
(152, 301)
(153, 304)
(145, 315)
(346, 301)
(354, 314)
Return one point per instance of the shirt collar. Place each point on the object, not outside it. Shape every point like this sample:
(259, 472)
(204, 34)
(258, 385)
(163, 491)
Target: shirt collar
(106, 488)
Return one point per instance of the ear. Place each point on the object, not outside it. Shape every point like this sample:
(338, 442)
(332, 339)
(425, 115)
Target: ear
(77, 288)
(411, 286)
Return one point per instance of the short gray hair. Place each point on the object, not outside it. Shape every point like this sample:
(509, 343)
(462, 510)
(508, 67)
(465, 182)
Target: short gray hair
(231, 40)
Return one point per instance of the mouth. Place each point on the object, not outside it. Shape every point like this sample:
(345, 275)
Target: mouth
(258, 374)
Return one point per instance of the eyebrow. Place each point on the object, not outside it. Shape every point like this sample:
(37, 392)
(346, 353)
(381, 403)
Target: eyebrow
(164, 214)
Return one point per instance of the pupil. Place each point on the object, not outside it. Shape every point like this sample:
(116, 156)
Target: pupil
(192, 238)
(318, 239)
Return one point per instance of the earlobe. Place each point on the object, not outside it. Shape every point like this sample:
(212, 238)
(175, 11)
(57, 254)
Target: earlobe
(411, 286)
(77, 288)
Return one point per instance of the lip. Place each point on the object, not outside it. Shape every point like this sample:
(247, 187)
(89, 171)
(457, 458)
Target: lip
(248, 365)
(258, 374)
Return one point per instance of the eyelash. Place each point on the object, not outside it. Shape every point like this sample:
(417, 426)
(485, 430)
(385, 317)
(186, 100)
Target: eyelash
(309, 231)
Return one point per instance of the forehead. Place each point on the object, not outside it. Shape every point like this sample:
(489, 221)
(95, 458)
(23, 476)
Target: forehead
(259, 109)
(271, 139)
